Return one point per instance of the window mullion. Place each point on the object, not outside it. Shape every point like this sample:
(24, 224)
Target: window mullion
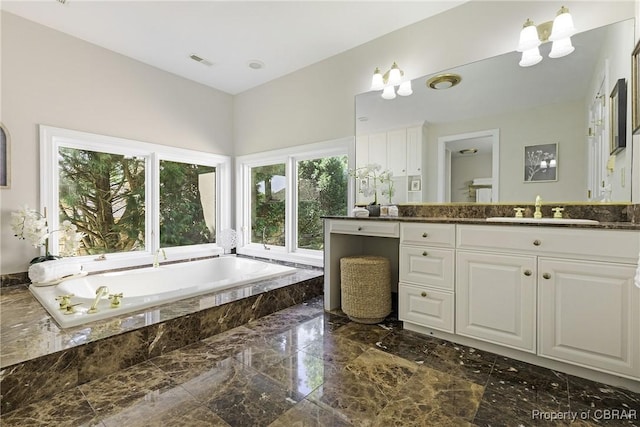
(152, 232)
(291, 211)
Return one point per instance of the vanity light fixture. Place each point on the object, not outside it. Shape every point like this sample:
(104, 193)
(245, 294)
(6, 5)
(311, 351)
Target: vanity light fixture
(389, 80)
(559, 32)
(444, 81)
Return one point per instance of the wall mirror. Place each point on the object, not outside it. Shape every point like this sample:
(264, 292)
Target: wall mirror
(474, 134)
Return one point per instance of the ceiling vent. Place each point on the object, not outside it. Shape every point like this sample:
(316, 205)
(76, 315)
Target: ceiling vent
(199, 59)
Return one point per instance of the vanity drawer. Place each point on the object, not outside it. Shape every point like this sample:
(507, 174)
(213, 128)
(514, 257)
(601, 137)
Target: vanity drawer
(426, 307)
(607, 245)
(365, 228)
(428, 234)
(427, 266)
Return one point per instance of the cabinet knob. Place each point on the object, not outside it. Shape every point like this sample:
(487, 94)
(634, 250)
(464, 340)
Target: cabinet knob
(423, 294)
(424, 253)
(537, 242)
(359, 228)
(546, 276)
(527, 272)
(425, 235)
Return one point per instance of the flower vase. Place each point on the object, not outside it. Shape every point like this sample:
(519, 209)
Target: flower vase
(374, 209)
(44, 258)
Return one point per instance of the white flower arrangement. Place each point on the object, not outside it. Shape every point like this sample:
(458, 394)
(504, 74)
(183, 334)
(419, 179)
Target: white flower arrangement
(369, 177)
(31, 225)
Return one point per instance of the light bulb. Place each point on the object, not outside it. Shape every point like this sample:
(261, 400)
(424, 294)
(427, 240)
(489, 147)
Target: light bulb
(528, 37)
(388, 92)
(560, 48)
(530, 57)
(562, 25)
(405, 88)
(395, 75)
(376, 80)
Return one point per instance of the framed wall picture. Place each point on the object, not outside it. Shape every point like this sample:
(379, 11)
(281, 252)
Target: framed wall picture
(541, 162)
(5, 161)
(618, 117)
(635, 89)
(415, 185)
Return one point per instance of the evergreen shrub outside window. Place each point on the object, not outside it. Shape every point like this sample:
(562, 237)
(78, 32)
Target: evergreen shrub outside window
(322, 191)
(103, 194)
(268, 203)
(187, 204)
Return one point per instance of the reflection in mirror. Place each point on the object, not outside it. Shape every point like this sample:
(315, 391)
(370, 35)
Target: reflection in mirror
(559, 101)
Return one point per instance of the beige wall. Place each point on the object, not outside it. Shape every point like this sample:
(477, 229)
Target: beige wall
(517, 130)
(54, 79)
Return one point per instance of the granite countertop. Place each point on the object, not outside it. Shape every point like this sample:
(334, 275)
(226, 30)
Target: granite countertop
(609, 225)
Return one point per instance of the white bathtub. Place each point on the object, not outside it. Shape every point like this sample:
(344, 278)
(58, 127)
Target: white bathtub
(147, 287)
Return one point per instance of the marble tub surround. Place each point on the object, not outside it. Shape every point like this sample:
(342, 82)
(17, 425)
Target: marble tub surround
(604, 212)
(39, 359)
(13, 279)
(282, 370)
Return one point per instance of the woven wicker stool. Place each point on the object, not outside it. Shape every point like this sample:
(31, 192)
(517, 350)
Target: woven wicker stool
(365, 288)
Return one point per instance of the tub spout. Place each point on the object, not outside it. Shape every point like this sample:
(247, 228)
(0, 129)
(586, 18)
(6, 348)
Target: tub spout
(100, 292)
(156, 263)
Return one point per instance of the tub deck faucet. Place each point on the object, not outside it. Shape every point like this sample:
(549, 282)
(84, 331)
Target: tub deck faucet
(538, 213)
(156, 264)
(100, 292)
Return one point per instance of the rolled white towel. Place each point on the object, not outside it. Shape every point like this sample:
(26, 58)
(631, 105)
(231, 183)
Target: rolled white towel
(53, 270)
(360, 212)
(637, 278)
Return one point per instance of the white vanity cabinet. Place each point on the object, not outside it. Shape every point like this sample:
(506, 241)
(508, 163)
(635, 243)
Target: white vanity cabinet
(561, 293)
(426, 288)
(589, 314)
(496, 298)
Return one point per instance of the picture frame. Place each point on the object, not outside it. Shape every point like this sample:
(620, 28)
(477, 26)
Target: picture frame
(415, 185)
(5, 158)
(618, 117)
(541, 162)
(635, 89)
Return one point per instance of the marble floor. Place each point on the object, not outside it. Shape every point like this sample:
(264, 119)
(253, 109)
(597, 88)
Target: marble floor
(304, 367)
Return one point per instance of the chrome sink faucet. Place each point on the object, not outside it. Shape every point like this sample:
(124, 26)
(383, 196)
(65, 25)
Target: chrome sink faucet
(100, 292)
(538, 213)
(156, 263)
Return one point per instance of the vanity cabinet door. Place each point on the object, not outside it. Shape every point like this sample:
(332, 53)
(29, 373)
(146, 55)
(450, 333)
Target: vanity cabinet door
(414, 150)
(397, 152)
(589, 314)
(496, 298)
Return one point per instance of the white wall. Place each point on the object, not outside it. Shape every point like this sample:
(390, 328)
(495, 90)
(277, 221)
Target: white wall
(54, 79)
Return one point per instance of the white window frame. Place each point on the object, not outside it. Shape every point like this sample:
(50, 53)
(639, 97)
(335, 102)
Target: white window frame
(53, 138)
(290, 157)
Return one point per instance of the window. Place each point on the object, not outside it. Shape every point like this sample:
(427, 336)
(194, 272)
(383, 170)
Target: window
(103, 194)
(283, 196)
(322, 191)
(187, 204)
(268, 198)
(131, 198)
